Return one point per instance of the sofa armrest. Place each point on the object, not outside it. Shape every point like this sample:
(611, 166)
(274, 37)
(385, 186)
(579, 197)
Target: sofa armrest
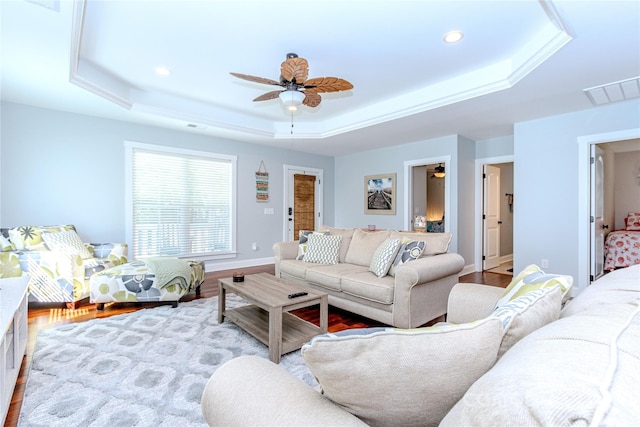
(428, 269)
(251, 391)
(470, 301)
(282, 251)
(115, 252)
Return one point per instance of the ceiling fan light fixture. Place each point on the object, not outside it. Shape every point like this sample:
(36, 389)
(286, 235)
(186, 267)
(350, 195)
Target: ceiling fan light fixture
(439, 173)
(292, 99)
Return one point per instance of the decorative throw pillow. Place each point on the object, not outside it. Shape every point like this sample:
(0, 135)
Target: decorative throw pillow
(5, 244)
(403, 377)
(302, 239)
(532, 278)
(66, 241)
(410, 250)
(633, 221)
(322, 249)
(384, 256)
(527, 313)
(30, 237)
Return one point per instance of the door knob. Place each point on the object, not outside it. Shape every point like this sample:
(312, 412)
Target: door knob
(605, 227)
(499, 222)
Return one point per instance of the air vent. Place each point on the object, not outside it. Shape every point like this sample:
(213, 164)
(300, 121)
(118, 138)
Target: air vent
(614, 92)
(195, 126)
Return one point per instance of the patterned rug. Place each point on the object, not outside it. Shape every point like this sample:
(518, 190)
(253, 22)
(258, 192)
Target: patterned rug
(146, 368)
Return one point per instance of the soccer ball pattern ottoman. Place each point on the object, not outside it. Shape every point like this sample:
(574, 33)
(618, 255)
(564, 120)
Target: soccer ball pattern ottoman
(147, 280)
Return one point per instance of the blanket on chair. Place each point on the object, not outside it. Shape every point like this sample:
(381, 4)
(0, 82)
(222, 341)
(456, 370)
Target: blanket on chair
(168, 269)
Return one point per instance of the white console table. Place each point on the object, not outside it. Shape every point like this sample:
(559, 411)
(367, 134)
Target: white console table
(13, 336)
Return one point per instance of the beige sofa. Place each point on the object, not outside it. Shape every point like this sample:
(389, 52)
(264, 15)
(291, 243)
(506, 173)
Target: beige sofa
(412, 294)
(581, 368)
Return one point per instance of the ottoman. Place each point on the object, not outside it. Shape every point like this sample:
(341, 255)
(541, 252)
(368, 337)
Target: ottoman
(151, 279)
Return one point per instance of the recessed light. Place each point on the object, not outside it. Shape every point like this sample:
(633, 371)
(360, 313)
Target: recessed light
(163, 71)
(453, 36)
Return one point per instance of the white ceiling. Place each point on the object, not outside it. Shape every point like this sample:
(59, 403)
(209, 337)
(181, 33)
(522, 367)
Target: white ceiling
(518, 60)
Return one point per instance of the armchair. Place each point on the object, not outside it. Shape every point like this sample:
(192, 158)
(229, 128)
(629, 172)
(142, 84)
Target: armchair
(58, 262)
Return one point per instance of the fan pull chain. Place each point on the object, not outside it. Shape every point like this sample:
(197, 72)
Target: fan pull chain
(292, 123)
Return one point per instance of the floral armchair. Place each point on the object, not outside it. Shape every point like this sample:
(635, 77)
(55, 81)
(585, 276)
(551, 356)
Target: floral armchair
(58, 262)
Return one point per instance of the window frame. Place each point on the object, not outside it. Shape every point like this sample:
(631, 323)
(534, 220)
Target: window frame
(130, 146)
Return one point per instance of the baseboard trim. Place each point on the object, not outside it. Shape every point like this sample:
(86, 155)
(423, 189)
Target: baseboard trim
(468, 269)
(234, 265)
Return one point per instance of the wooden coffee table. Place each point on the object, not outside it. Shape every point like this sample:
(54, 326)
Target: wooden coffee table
(268, 318)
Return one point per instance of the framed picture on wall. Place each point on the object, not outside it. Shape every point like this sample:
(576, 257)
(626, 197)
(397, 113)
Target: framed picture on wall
(380, 194)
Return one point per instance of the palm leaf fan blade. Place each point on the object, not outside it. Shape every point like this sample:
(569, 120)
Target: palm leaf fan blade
(269, 95)
(311, 99)
(328, 84)
(295, 68)
(256, 79)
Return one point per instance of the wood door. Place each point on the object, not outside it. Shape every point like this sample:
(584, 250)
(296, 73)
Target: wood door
(304, 203)
(491, 217)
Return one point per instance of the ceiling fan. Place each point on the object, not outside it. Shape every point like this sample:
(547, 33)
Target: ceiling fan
(297, 88)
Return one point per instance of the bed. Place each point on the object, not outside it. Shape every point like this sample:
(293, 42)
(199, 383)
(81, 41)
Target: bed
(622, 247)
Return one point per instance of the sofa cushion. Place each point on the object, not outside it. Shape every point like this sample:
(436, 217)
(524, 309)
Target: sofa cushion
(347, 235)
(363, 245)
(435, 243)
(532, 278)
(383, 257)
(366, 285)
(578, 370)
(527, 313)
(297, 269)
(66, 241)
(330, 276)
(322, 249)
(303, 241)
(410, 250)
(403, 377)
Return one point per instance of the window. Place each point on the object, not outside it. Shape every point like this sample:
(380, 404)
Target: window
(180, 202)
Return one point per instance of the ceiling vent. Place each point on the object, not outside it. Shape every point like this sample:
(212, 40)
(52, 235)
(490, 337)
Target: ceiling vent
(614, 92)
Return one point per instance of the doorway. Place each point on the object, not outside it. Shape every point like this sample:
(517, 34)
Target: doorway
(303, 207)
(494, 211)
(427, 195)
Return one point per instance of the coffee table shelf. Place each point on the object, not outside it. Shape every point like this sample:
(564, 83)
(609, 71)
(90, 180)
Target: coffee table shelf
(268, 318)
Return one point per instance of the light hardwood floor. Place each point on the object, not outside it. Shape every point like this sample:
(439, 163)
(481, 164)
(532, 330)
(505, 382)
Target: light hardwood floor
(43, 316)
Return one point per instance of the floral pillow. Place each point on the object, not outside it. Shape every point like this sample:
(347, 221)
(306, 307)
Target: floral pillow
(633, 221)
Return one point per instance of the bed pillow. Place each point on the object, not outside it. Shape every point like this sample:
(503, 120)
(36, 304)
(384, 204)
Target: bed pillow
(303, 240)
(410, 250)
(532, 278)
(323, 249)
(403, 377)
(384, 256)
(632, 221)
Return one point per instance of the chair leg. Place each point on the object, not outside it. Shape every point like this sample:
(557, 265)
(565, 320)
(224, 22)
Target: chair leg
(174, 304)
(71, 305)
(100, 306)
(198, 290)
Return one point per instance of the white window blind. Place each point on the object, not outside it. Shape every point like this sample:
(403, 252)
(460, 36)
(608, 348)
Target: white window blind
(182, 202)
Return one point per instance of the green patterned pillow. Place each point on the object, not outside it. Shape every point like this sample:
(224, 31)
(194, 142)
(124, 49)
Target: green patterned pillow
(5, 244)
(303, 241)
(527, 313)
(323, 249)
(30, 237)
(409, 251)
(66, 241)
(532, 278)
(403, 377)
(383, 257)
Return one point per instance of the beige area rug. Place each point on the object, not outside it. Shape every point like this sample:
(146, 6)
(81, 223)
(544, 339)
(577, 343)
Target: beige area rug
(146, 368)
(504, 268)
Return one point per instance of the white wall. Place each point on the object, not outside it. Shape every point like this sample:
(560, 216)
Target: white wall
(627, 186)
(547, 218)
(67, 168)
